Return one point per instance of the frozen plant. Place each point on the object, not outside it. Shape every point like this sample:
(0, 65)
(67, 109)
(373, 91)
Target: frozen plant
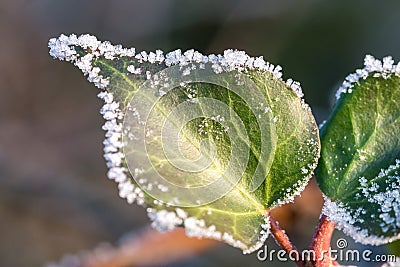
(213, 143)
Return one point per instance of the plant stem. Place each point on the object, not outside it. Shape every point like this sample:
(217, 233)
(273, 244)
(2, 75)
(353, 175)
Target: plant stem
(283, 240)
(321, 243)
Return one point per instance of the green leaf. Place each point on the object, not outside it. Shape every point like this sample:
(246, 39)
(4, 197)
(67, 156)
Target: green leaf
(359, 166)
(210, 143)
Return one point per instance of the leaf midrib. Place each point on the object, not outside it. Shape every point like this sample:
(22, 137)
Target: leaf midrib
(252, 200)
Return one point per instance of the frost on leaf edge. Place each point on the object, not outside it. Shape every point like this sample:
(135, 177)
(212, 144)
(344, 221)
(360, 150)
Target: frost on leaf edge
(63, 48)
(345, 217)
(378, 68)
(335, 210)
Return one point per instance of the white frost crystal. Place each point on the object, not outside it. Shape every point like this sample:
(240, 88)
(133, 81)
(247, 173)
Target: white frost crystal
(69, 48)
(63, 48)
(384, 68)
(113, 150)
(133, 70)
(198, 228)
(164, 221)
(388, 203)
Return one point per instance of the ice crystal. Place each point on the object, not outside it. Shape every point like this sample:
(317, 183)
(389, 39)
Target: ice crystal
(350, 219)
(68, 48)
(384, 68)
(63, 48)
(164, 221)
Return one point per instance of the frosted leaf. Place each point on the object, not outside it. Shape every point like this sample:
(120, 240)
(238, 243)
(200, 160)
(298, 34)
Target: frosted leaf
(372, 67)
(261, 178)
(359, 166)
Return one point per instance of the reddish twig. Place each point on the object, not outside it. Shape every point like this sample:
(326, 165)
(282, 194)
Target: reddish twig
(321, 243)
(283, 240)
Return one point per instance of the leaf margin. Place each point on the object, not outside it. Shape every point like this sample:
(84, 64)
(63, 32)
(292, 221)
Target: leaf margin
(338, 212)
(63, 48)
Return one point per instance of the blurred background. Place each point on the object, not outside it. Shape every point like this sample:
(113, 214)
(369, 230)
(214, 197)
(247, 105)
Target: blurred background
(55, 198)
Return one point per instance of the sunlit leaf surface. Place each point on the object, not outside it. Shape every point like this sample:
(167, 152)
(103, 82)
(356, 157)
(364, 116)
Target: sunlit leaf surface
(206, 142)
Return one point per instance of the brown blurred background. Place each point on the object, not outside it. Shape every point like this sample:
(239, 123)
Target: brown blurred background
(54, 194)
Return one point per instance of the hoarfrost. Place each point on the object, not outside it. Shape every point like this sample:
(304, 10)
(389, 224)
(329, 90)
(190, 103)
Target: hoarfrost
(386, 199)
(133, 70)
(164, 221)
(384, 68)
(65, 48)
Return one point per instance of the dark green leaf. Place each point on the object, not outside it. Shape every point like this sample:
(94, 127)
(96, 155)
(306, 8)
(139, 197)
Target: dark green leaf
(359, 165)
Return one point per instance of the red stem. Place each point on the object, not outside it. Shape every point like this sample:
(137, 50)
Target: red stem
(283, 240)
(321, 243)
